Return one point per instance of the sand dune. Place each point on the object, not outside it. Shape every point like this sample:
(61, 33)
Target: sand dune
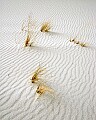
(70, 68)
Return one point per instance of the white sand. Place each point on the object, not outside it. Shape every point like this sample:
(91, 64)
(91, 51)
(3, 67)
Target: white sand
(70, 69)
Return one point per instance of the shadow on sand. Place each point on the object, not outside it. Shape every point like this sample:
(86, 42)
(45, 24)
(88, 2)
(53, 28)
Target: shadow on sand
(56, 33)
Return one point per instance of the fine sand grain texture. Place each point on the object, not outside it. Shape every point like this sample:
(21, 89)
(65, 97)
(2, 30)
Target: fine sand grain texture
(70, 68)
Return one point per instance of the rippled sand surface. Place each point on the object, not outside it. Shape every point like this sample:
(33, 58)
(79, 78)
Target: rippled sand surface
(70, 68)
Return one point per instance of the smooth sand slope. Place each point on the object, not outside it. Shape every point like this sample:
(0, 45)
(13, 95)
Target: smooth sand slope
(70, 68)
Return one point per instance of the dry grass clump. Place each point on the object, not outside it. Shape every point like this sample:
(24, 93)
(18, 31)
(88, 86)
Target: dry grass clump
(78, 42)
(36, 74)
(45, 27)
